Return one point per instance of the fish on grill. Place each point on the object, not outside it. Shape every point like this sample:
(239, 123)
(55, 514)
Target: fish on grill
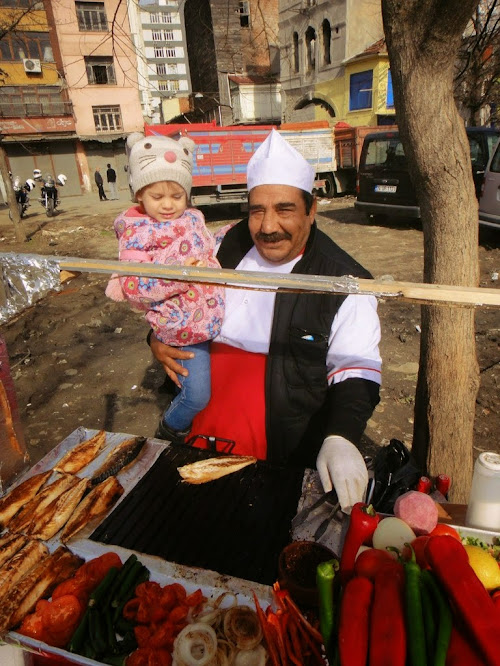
(82, 454)
(57, 513)
(119, 458)
(10, 544)
(37, 583)
(203, 471)
(20, 564)
(35, 508)
(99, 500)
(20, 495)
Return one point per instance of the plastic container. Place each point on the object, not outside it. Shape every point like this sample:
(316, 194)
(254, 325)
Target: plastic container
(297, 570)
(483, 510)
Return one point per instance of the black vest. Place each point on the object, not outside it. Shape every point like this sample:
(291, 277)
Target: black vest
(296, 384)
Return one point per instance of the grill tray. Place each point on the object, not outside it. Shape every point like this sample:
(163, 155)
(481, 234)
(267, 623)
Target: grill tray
(236, 525)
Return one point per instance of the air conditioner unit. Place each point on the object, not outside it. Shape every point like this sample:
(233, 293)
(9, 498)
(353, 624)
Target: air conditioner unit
(32, 66)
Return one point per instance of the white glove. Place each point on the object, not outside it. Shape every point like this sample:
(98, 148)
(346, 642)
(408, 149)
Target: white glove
(340, 463)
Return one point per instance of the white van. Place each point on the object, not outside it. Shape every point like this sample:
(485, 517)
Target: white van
(489, 202)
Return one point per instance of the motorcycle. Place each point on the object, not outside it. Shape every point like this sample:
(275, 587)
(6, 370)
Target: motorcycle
(48, 196)
(21, 191)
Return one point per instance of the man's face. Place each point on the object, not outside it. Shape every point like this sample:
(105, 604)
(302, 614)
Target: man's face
(278, 222)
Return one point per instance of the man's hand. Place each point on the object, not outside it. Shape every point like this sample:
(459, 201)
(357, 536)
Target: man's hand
(340, 464)
(168, 357)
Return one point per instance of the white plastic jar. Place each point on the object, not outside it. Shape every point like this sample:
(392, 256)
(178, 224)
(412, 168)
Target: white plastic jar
(483, 510)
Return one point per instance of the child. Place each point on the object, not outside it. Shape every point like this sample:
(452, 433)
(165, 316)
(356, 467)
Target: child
(163, 230)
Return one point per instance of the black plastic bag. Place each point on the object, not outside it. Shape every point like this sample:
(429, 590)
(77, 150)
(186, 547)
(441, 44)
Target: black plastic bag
(394, 474)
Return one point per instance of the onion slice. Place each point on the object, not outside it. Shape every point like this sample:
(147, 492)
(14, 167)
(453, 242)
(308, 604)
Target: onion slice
(196, 645)
(255, 657)
(242, 627)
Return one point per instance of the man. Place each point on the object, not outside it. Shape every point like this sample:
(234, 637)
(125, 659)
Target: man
(100, 185)
(295, 377)
(111, 178)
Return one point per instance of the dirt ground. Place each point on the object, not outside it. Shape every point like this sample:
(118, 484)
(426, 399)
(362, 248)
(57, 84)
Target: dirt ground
(79, 359)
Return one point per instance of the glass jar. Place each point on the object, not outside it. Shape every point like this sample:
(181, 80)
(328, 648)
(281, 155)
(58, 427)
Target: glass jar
(483, 510)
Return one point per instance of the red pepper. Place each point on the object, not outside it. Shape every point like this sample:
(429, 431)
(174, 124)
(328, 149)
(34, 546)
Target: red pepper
(472, 603)
(424, 485)
(442, 484)
(387, 619)
(268, 632)
(364, 519)
(461, 652)
(354, 622)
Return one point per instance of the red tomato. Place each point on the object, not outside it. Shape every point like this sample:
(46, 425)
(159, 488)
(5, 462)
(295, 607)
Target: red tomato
(142, 635)
(60, 619)
(369, 562)
(130, 609)
(178, 614)
(32, 626)
(418, 546)
(163, 637)
(149, 657)
(442, 528)
(194, 598)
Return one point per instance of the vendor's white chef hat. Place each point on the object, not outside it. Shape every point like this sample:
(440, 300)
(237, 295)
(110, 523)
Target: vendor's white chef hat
(276, 162)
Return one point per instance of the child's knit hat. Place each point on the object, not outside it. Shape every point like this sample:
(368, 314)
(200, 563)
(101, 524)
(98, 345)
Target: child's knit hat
(157, 158)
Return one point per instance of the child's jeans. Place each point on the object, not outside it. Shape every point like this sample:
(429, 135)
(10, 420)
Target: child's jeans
(194, 394)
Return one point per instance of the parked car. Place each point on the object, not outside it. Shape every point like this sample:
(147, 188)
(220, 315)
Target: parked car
(384, 187)
(489, 202)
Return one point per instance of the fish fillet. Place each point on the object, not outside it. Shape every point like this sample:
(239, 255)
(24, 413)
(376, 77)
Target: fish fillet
(121, 456)
(18, 496)
(99, 500)
(214, 468)
(20, 564)
(37, 583)
(9, 545)
(82, 454)
(22, 521)
(57, 512)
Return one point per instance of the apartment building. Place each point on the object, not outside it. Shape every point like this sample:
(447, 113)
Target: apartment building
(334, 64)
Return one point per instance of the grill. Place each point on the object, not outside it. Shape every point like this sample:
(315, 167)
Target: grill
(236, 525)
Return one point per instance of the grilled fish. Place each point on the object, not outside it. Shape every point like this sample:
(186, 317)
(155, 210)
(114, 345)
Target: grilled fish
(203, 471)
(82, 454)
(37, 583)
(99, 500)
(118, 459)
(10, 545)
(22, 521)
(20, 564)
(55, 515)
(18, 496)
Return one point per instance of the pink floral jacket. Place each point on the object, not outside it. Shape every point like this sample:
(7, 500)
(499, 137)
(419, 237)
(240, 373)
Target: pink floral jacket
(179, 313)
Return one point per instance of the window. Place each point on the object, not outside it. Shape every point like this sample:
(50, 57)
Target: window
(360, 90)
(390, 95)
(107, 118)
(25, 101)
(19, 45)
(100, 70)
(170, 53)
(244, 14)
(163, 35)
(172, 68)
(327, 40)
(295, 52)
(168, 85)
(161, 69)
(166, 18)
(311, 48)
(91, 16)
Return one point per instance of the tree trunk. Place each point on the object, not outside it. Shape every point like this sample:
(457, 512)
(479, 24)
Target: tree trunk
(423, 37)
(11, 198)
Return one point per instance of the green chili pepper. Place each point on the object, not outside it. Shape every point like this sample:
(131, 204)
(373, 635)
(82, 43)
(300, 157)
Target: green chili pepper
(430, 621)
(445, 618)
(325, 575)
(414, 615)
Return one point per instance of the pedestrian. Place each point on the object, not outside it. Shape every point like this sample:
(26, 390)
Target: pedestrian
(111, 178)
(100, 185)
(295, 376)
(164, 229)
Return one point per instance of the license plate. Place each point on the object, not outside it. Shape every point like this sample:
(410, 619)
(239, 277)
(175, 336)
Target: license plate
(387, 189)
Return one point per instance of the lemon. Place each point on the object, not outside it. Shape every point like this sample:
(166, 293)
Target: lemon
(485, 566)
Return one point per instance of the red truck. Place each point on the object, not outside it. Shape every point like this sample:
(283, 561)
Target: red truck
(222, 154)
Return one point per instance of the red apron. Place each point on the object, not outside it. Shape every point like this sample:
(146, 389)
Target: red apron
(237, 408)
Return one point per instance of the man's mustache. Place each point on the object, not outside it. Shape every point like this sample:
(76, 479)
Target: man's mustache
(275, 237)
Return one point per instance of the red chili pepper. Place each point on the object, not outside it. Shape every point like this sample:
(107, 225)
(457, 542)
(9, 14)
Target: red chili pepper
(472, 603)
(461, 652)
(275, 629)
(442, 484)
(268, 634)
(353, 633)
(364, 519)
(387, 618)
(424, 485)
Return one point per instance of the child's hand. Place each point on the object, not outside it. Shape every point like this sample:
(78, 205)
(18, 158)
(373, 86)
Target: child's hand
(191, 261)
